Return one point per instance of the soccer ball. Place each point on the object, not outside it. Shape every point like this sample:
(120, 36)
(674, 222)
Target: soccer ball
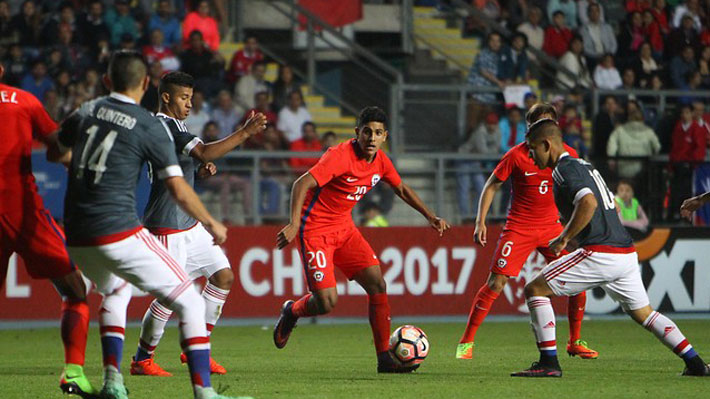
(409, 345)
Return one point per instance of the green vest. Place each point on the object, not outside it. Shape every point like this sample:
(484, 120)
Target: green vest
(377, 221)
(629, 213)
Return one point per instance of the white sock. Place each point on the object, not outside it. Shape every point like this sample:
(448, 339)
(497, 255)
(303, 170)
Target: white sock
(214, 301)
(543, 324)
(668, 332)
(153, 327)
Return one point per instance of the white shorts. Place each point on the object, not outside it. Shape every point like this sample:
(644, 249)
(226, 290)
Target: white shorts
(138, 259)
(195, 250)
(618, 274)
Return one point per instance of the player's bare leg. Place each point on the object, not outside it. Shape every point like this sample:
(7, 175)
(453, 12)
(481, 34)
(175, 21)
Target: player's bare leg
(317, 303)
(480, 307)
(74, 328)
(668, 332)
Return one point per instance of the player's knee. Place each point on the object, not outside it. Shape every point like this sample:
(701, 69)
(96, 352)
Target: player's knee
(378, 286)
(533, 289)
(497, 282)
(223, 279)
(326, 303)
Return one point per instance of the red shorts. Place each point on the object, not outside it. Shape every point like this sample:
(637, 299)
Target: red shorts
(345, 249)
(35, 236)
(514, 248)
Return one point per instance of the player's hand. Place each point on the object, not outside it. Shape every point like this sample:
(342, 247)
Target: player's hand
(439, 224)
(479, 234)
(218, 231)
(689, 206)
(256, 123)
(286, 235)
(558, 245)
(206, 170)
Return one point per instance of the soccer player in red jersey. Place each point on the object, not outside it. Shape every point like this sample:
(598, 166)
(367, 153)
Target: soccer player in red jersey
(27, 228)
(533, 220)
(321, 203)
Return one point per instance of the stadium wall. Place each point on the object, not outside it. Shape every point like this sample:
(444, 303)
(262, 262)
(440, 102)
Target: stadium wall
(426, 276)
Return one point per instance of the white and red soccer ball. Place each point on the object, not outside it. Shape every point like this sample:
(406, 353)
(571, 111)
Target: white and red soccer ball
(409, 345)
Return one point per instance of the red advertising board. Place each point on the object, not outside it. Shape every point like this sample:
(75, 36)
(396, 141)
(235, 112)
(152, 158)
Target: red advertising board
(426, 275)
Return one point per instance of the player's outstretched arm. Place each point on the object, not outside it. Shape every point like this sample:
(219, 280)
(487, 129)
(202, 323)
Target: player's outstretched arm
(217, 149)
(581, 216)
(492, 185)
(206, 170)
(409, 196)
(693, 204)
(298, 197)
(188, 200)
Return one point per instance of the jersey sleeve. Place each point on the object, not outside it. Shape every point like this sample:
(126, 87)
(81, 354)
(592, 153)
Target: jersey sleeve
(505, 166)
(69, 130)
(159, 149)
(332, 164)
(184, 140)
(42, 124)
(573, 180)
(390, 175)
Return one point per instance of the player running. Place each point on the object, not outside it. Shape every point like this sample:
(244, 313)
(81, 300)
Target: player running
(108, 140)
(27, 228)
(533, 220)
(321, 203)
(186, 240)
(606, 256)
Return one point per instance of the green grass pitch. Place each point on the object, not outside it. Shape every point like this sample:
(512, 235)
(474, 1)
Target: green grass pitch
(337, 361)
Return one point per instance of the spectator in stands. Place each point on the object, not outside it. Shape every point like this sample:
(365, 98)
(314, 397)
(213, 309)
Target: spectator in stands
(329, 140)
(307, 143)
(630, 211)
(598, 37)
(261, 104)
(557, 36)
(688, 145)
(165, 20)
(285, 84)
(226, 114)
(37, 82)
(15, 65)
(484, 140)
(484, 72)
(637, 5)
(251, 84)
(633, 138)
(128, 42)
(702, 119)
(529, 100)
(606, 76)
(270, 184)
(226, 183)
(512, 129)
(573, 138)
(120, 21)
(151, 98)
(692, 9)
(570, 116)
(704, 67)
(583, 11)
(243, 59)
(201, 21)
(681, 66)
(28, 24)
(604, 123)
(645, 66)
(631, 36)
(72, 54)
(91, 86)
(93, 27)
(652, 32)
(8, 34)
(158, 51)
(681, 37)
(514, 63)
(65, 16)
(293, 116)
(203, 64)
(199, 114)
(533, 31)
(573, 60)
(661, 15)
(52, 105)
(489, 8)
(568, 7)
(372, 216)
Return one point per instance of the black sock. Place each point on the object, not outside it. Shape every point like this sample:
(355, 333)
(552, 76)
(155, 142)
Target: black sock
(695, 363)
(384, 358)
(549, 360)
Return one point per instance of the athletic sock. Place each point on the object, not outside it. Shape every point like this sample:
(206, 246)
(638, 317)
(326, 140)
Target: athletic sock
(543, 324)
(214, 301)
(74, 326)
(379, 314)
(152, 329)
(197, 350)
(480, 307)
(668, 332)
(300, 307)
(575, 314)
(112, 347)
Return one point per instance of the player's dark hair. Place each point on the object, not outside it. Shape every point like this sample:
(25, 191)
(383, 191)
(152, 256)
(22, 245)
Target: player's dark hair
(174, 79)
(544, 128)
(539, 109)
(127, 69)
(371, 114)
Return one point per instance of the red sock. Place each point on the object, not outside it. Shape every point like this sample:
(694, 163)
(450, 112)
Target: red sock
(575, 313)
(75, 326)
(479, 310)
(379, 312)
(300, 307)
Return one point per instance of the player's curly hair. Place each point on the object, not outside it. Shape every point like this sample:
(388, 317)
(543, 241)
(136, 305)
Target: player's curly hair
(372, 114)
(175, 78)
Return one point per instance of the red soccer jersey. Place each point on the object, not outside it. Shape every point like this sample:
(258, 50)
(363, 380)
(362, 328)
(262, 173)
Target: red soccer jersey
(533, 202)
(21, 116)
(343, 179)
